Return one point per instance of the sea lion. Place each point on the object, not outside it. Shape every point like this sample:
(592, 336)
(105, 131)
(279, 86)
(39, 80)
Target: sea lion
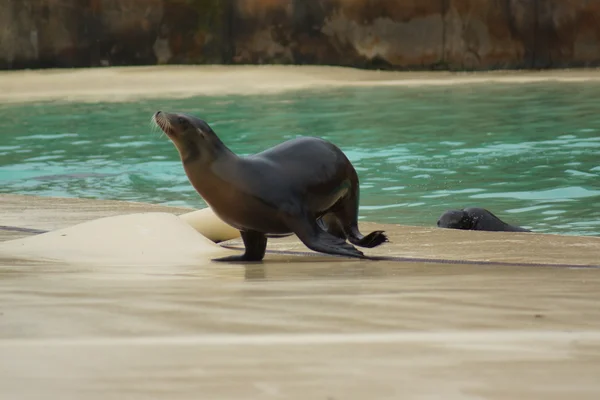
(475, 219)
(304, 186)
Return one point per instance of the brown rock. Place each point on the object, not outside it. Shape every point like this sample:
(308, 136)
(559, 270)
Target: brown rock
(19, 38)
(401, 34)
(125, 31)
(408, 34)
(193, 32)
(489, 34)
(568, 33)
(70, 33)
(343, 32)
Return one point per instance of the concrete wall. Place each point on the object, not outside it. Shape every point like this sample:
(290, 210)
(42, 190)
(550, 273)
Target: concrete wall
(397, 34)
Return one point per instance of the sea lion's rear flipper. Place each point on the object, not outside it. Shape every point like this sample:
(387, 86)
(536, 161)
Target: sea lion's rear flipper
(324, 242)
(331, 224)
(316, 239)
(255, 243)
(373, 239)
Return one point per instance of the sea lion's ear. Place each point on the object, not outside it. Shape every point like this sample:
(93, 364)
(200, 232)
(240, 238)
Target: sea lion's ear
(201, 133)
(183, 122)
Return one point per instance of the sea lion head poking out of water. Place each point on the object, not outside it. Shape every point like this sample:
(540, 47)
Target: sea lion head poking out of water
(476, 219)
(305, 186)
(455, 219)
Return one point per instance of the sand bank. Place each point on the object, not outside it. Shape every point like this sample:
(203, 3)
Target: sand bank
(131, 83)
(430, 243)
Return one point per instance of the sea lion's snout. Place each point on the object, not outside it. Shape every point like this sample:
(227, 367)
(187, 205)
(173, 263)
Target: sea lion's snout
(192, 136)
(162, 120)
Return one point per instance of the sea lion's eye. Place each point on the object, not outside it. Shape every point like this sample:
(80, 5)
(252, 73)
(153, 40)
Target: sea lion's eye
(182, 121)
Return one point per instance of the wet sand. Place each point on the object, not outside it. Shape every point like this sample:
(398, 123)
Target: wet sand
(299, 326)
(131, 83)
(300, 331)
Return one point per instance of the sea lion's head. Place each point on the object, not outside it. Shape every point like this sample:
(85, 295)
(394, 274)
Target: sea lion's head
(456, 219)
(194, 138)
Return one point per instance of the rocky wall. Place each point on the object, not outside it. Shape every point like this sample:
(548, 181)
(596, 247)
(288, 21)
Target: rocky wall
(407, 34)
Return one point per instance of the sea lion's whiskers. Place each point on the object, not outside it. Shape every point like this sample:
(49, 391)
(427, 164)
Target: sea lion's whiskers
(168, 127)
(154, 121)
(163, 123)
(153, 125)
(155, 128)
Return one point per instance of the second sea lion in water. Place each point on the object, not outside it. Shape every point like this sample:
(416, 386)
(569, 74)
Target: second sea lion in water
(305, 186)
(476, 219)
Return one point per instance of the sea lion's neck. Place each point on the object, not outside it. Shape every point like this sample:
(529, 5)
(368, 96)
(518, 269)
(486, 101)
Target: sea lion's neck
(207, 168)
(205, 151)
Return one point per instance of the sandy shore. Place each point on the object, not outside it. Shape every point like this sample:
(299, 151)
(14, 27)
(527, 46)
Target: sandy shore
(131, 83)
(46, 213)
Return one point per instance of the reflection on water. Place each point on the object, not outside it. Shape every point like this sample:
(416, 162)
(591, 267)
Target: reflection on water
(530, 153)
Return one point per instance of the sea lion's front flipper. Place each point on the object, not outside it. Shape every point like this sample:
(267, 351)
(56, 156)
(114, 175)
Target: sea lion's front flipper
(255, 243)
(316, 239)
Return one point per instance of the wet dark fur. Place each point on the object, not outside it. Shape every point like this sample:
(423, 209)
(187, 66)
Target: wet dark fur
(476, 219)
(305, 186)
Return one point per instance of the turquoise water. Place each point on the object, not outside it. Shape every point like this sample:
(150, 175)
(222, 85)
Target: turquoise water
(529, 153)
